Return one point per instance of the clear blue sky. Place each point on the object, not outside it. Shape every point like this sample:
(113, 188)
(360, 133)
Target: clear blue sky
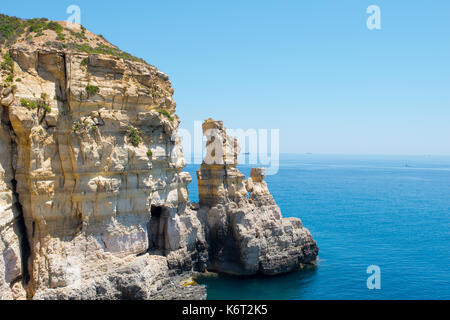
(310, 68)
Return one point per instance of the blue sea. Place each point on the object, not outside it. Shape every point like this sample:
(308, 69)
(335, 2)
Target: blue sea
(388, 211)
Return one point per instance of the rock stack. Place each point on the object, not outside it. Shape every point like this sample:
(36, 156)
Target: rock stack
(244, 228)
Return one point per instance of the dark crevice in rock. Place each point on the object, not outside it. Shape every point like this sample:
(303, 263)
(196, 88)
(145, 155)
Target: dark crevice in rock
(157, 229)
(25, 250)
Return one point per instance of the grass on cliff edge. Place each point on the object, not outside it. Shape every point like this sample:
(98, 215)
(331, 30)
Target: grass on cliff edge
(12, 28)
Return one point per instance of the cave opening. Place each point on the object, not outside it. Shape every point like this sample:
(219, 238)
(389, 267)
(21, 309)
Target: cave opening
(158, 229)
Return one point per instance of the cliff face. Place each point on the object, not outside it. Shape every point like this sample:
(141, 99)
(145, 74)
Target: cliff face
(90, 143)
(93, 199)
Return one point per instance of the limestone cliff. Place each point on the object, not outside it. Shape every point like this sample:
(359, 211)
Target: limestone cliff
(93, 197)
(91, 154)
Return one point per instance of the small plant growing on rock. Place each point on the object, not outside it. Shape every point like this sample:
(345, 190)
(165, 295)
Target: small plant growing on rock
(94, 128)
(149, 153)
(92, 90)
(134, 135)
(76, 126)
(55, 26)
(85, 126)
(31, 105)
(165, 112)
(7, 63)
(84, 62)
(43, 104)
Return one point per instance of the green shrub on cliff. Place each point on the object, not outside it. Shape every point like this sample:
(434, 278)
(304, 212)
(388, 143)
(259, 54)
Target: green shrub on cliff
(103, 49)
(31, 105)
(36, 25)
(10, 29)
(44, 105)
(7, 63)
(134, 135)
(76, 126)
(92, 90)
(165, 112)
(41, 104)
(55, 26)
(9, 78)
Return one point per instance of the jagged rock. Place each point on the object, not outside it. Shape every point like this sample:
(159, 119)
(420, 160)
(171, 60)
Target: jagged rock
(244, 227)
(6, 101)
(144, 278)
(6, 91)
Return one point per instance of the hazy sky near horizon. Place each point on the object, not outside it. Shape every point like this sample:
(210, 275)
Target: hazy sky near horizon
(309, 68)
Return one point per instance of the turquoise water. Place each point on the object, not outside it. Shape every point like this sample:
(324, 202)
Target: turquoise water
(362, 211)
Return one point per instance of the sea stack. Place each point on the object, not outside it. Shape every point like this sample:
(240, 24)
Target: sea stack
(244, 228)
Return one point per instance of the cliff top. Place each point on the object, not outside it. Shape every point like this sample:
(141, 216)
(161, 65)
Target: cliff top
(60, 35)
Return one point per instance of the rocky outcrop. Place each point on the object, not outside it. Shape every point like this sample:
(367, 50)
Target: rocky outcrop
(93, 198)
(243, 225)
(98, 174)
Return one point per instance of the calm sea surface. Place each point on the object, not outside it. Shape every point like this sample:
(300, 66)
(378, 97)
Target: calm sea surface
(393, 212)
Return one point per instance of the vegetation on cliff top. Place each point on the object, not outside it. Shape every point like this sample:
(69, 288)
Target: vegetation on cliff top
(13, 28)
